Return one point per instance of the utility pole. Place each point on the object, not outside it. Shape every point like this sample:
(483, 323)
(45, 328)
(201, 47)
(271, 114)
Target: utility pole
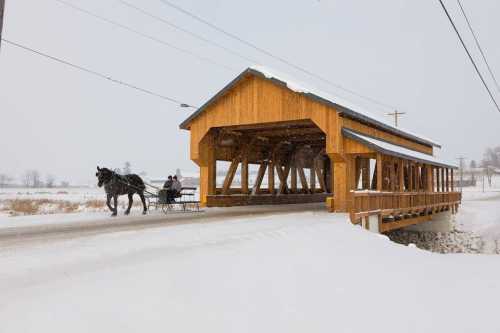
(396, 115)
(2, 7)
(483, 181)
(462, 164)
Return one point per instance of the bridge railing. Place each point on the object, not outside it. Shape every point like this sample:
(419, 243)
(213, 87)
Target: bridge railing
(406, 204)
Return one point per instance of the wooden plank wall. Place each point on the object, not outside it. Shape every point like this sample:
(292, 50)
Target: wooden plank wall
(256, 100)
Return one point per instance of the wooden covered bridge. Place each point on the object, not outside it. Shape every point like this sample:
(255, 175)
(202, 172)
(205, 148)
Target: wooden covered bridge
(306, 147)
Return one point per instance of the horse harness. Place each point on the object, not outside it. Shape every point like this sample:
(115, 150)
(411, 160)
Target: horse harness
(120, 179)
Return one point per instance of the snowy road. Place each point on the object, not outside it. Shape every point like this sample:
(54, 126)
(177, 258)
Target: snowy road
(287, 272)
(48, 228)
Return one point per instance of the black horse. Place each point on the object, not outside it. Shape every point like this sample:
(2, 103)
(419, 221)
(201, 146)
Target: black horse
(116, 185)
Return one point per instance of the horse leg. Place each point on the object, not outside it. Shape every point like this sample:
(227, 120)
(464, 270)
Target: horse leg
(108, 202)
(130, 201)
(115, 200)
(141, 194)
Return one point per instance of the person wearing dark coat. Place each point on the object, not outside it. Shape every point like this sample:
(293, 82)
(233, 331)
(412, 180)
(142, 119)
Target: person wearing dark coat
(177, 186)
(168, 183)
(171, 192)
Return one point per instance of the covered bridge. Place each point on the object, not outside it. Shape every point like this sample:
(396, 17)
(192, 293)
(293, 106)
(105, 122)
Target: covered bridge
(306, 146)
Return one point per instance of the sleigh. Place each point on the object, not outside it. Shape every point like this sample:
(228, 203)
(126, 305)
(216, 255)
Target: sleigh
(185, 201)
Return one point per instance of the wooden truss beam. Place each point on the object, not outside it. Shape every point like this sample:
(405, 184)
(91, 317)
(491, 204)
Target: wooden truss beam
(319, 168)
(293, 177)
(260, 177)
(230, 175)
(244, 174)
(302, 176)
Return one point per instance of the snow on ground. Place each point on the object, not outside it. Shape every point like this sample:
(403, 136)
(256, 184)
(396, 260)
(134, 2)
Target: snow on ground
(480, 211)
(64, 218)
(303, 272)
(73, 194)
(293, 272)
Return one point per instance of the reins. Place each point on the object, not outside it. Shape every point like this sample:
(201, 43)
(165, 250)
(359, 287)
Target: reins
(119, 178)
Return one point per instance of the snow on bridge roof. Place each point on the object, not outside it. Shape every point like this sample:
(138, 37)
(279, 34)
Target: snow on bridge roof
(387, 148)
(345, 107)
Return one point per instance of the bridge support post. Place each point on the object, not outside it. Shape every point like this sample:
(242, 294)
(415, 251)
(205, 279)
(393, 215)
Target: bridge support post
(372, 223)
(365, 173)
(343, 181)
(429, 178)
(207, 164)
(380, 175)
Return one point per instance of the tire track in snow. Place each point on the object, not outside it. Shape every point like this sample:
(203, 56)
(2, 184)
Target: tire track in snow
(116, 251)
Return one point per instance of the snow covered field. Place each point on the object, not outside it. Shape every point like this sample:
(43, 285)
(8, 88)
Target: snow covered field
(480, 211)
(75, 194)
(42, 201)
(280, 272)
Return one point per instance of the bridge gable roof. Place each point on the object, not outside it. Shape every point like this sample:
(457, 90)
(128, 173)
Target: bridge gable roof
(345, 108)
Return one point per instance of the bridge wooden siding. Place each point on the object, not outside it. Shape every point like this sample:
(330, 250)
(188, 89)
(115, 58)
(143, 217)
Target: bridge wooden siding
(298, 143)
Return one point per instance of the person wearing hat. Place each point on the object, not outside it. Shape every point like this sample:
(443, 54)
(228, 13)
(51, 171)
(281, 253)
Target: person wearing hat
(168, 186)
(176, 186)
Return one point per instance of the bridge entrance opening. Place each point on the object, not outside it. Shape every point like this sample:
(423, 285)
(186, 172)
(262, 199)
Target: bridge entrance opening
(277, 163)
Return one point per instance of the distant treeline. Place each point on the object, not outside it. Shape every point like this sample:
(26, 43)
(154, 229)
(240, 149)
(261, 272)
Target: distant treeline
(32, 178)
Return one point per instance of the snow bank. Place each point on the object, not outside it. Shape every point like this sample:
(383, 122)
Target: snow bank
(303, 272)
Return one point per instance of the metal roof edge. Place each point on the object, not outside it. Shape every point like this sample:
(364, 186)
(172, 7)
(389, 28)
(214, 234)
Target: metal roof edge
(353, 135)
(351, 131)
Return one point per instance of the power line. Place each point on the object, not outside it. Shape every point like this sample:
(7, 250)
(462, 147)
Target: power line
(95, 73)
(478, 44)
(193, 34)
(470, 56)
(141, 34)
(280, 59)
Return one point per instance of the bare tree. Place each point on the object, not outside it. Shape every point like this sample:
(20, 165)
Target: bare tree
(489, 174)
(127, 168)
(473, 167)
(31, 178)
(4, 179)
(37, 179)
(26, 179)
(50, 181)
(492, 157)
(64, 183)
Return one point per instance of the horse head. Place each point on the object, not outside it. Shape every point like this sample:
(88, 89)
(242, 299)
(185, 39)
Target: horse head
(103, 175)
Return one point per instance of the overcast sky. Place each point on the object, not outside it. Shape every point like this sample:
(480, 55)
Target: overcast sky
(65, 122)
